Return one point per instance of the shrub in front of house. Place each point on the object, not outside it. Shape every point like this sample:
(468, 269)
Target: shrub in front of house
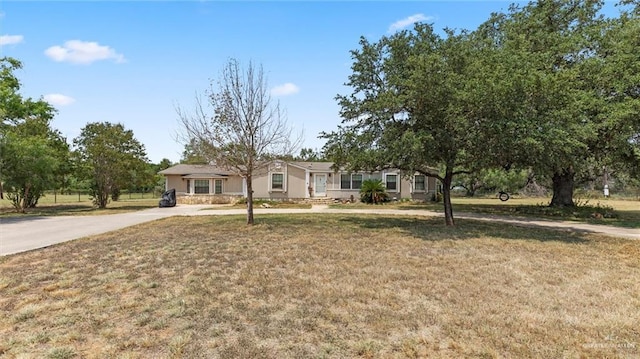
(373, 191)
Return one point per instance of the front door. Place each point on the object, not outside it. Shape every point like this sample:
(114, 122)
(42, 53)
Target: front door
(320, 188)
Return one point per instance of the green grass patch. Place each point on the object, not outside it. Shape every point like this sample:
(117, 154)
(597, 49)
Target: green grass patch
(80, 208)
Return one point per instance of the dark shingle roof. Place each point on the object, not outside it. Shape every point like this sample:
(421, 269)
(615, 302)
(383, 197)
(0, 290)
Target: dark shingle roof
(184, 169)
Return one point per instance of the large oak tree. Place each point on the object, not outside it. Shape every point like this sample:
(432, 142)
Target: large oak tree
(414, 107)
(551, 86)
(578, 91)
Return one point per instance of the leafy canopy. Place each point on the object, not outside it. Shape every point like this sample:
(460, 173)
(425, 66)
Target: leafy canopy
(111, 158)
(33, 156)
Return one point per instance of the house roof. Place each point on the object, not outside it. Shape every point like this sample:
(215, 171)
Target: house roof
(195, 171)
(315, 166)
(204, 175)
(211, 171)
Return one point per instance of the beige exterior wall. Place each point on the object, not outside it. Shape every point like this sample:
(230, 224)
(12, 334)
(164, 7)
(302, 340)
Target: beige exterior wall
(233, 185)
(406, 186)
(261, 186)
(295, 184)
(175, 181)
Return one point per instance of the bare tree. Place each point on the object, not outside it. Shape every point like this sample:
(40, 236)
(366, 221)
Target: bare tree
(246, 129)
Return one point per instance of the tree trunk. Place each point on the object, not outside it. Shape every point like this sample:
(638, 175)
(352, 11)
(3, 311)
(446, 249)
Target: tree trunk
(103, 192)
(471, 191)
(446, 198)
(32, 198)
(249, 200)
(24, 203)
(563, 183)
(104, 197)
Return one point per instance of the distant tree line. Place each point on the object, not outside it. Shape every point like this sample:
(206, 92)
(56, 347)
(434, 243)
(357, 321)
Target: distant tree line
(105, 158)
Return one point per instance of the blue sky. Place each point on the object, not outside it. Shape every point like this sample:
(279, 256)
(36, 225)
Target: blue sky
(133, 62)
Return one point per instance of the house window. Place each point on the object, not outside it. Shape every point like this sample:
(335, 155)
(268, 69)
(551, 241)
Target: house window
(345, 181)
(356, 181)
(419, 183)
(277, 181)
(188, 186)
(353, 181)
(201, 186)
(217, 186)
(392, 182)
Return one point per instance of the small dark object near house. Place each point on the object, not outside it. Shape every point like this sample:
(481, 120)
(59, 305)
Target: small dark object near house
(168, 199)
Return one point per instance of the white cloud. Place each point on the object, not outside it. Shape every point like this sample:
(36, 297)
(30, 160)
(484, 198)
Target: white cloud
(57, 99)
(10, 39)
(285, 89)
(406, 22)
(83, 52)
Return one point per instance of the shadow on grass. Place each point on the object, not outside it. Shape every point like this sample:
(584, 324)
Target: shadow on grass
(629, 219)
(122, 209)
(47, 210)
(18, 219)
(433, 229)
(69, 210)
(584, 214)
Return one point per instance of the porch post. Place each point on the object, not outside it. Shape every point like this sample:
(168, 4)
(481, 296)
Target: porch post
(244, 187)
(308, 183)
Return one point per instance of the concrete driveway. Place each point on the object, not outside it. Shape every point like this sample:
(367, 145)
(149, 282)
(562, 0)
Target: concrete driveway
(20, 234)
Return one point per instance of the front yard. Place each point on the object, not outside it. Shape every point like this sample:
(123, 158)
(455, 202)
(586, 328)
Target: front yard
(331, 286)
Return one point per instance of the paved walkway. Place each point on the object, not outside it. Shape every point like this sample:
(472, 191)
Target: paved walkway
(20, 234)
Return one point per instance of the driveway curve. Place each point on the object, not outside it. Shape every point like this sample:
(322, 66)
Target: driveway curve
(21, 234)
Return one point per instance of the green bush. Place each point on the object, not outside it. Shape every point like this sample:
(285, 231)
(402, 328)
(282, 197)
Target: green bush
(373, 191)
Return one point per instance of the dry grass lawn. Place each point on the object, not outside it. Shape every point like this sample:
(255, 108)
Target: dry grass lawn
(335, 286)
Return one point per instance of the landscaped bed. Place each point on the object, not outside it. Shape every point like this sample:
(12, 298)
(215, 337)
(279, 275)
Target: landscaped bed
(323, 286)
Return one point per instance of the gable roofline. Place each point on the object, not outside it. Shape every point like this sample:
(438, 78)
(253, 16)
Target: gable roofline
(186, 169)
(313, 166)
